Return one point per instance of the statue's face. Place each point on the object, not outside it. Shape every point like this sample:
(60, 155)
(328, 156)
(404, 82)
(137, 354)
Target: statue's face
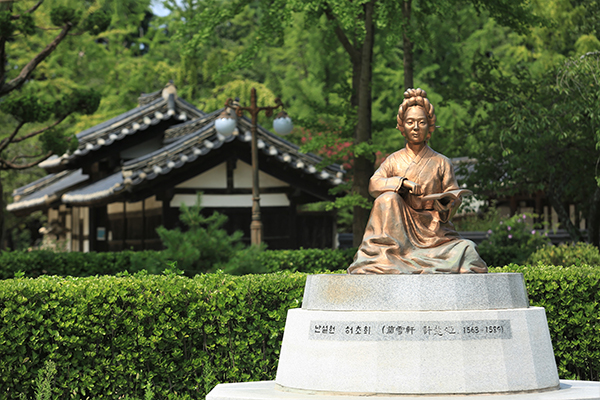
(416, 127)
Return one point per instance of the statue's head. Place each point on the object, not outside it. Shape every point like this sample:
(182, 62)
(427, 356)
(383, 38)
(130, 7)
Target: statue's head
(416, 98)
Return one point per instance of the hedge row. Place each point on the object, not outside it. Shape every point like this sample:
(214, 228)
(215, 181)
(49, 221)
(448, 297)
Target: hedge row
(307, 260)
(110, 336)
(571, 297)
(43, 262)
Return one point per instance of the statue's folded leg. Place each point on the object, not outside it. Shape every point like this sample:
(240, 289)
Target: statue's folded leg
(401, 240)
(385, 238)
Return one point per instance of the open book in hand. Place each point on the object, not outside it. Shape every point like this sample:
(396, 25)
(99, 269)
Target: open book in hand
(447, 197)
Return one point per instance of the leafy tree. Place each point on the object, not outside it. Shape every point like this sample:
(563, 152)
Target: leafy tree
(113, 51)
(355, 25)
(578, 83)
(536, 134)
(23, 47)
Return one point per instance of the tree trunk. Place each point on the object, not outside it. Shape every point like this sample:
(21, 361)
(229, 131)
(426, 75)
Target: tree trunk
(408, 50)
(4, 6)
(563, 215)
(363, 167)
(2, 61)
(593, 219)
(2, 216)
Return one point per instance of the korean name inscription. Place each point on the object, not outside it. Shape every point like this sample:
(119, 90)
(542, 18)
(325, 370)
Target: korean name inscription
(410, 330)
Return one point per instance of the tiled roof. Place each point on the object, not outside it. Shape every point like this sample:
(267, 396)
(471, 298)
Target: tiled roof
(126, 124)
(205, 139)
(47, 190)
(100, 190)
(191, 146)
(183, 144)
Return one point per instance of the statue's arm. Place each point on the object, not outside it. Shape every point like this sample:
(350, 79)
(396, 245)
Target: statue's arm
(383, 180)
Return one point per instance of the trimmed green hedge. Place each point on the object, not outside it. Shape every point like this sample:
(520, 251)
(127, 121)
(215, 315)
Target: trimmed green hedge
(43, 262)
(110, 336)
(567, 254)
(571, 297)
(307, 260)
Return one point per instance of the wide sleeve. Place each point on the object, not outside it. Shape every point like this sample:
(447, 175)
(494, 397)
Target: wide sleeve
(449, 182)
(384, 179)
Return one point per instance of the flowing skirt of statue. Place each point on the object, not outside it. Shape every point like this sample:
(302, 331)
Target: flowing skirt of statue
(401, 240)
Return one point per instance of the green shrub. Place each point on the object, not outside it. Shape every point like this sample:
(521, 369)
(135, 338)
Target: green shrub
(571, 297)
(511, 241)
(567, 254)
(45, 262)
(252, 260)
(204, 246)
(307, 260)
(111, 336)
(249, 260)
(114, 337)
(480, 221)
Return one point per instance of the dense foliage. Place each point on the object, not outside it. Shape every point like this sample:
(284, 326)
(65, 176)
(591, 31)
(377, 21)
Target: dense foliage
(512, 240)
(567, 254)
(307, 260)
(537, 133)
(113, 336)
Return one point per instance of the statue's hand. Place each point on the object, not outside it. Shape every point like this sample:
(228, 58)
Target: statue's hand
(413, 188)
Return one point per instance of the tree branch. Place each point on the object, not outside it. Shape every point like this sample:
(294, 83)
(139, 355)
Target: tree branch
(350, 49)
(9, 165)
(6, 142)
(34, 133)
(31, 65)
(15, 158)
(32, 9)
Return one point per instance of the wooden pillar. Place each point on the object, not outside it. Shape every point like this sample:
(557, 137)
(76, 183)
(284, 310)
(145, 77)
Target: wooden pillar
(513, 205)
(293, 216)
(539, 207)
(93, 225)
(144, 224)
(124, 242)
(167, 213)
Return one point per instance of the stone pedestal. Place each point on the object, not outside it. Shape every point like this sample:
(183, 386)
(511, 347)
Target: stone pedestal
(414, 335)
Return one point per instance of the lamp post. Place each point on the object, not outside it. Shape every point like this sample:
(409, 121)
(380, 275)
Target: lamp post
(225, 125)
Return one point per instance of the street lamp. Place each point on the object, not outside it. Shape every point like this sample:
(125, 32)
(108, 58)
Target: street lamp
(225, 125)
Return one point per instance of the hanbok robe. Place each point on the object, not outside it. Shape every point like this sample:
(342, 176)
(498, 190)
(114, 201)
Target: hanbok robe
(406, 234)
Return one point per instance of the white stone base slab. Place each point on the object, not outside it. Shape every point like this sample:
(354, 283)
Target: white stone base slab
(417, 352)
(429, 292)
(569, 390)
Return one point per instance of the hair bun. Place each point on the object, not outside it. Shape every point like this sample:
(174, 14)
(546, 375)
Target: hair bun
(416, 97)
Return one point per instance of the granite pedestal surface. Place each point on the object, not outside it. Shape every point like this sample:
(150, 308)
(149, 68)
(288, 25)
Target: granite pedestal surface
(414, 335)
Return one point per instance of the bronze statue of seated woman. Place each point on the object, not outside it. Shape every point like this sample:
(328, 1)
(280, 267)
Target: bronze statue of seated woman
(416, 193)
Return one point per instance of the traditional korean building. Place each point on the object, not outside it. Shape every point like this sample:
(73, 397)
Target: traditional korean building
(130, 175)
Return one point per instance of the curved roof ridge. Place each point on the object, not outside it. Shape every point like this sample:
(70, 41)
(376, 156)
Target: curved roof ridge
(165, 149)
(118, 118)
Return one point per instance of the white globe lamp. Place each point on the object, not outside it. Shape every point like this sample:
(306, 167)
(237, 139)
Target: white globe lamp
(282, 124)
(226, 123)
